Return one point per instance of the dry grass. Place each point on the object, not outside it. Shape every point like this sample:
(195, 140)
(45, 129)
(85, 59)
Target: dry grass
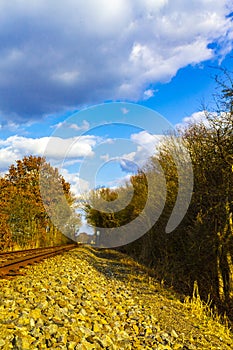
(195, 323)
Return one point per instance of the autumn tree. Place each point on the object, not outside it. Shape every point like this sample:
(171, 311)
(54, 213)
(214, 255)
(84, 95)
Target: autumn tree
(27, 212)
(5, 232)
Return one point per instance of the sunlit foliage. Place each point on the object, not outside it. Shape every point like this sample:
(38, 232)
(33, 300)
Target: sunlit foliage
(25, 217)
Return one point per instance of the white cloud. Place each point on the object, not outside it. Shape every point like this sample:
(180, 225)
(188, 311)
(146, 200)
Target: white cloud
(7, 157)
(78, 186)
(149, 93)
(124, 110)
(195, 118)
(77, 52)
(58, 148)
(53, 148)
(83, 127)
(25, 145)
(146, 140)
(146, 145)
(200, 117)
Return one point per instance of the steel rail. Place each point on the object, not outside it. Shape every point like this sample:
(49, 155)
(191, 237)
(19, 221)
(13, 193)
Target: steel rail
(11, 267)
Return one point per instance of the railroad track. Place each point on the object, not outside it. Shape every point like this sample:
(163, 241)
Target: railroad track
(11, 262)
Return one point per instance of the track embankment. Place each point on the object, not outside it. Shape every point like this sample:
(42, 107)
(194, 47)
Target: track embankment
(100, 299)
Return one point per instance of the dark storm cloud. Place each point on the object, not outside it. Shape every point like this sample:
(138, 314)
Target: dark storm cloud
(56, 56)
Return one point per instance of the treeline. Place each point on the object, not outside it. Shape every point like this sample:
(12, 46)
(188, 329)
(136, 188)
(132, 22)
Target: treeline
(30, 201)
(201, 247)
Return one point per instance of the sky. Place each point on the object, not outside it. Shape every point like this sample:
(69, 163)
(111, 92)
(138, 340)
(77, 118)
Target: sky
(70, 69)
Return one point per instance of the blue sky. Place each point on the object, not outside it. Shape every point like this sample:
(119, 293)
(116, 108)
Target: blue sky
(57, 59)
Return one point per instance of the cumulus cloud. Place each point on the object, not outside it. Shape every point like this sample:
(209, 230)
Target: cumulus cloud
(146, 145)
(58, 55)
(149, 93)
(195, 118)
(66, 125)
(78, 185)
(55, 149)
(147, 141)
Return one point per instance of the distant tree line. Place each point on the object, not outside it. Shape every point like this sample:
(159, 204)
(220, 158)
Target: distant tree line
(201, 247)
(25, 217)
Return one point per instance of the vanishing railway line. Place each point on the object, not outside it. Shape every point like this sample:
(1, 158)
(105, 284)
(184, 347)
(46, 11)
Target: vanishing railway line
(11, 262)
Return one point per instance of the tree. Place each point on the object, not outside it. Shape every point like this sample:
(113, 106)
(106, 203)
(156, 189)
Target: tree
(5, 233)
(27, 214)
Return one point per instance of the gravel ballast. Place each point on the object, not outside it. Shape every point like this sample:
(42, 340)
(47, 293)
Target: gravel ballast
(87, 299)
